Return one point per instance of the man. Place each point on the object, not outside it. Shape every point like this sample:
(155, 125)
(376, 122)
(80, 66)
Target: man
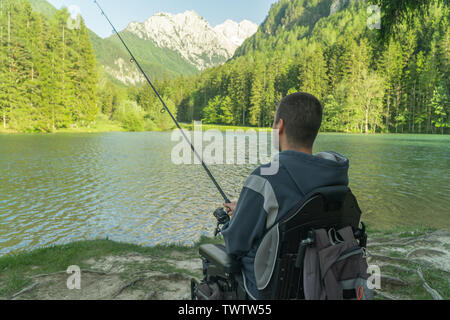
(265, 200)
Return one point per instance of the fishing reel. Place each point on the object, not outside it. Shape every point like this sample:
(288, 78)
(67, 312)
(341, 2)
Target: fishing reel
(222, 218)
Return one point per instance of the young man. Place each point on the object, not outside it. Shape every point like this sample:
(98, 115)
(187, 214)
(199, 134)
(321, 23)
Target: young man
(265, 200)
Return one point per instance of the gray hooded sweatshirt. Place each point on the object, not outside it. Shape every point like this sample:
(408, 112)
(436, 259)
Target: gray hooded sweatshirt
(265, 200)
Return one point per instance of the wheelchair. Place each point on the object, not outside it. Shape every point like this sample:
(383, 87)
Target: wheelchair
(280, 257)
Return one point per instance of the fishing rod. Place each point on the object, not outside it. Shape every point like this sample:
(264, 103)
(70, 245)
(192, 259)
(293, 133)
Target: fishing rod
(133, 59)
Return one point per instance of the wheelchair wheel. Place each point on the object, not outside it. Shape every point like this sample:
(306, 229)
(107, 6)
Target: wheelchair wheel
(194, 286)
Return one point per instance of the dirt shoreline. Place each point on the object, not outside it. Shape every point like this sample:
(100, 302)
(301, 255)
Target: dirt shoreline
(414, 265)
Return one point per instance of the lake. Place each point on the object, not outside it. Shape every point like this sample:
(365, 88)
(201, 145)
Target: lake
(123, 186)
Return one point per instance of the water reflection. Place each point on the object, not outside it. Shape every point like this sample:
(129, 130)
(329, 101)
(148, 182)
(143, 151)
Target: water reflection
(60, 188)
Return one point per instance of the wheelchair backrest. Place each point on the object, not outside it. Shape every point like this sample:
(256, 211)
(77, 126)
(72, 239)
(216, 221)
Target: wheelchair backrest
(276, 273)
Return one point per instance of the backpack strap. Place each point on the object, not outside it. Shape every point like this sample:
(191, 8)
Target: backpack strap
(322, 239)
(347, 234)
(312, 278)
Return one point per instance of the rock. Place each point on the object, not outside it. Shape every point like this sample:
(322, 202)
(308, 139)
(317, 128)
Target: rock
(421, 252)
(392, 281)
(152, 295)
(378, 257)
(441, 233)
(176, 277)
(384, 295)
(396, 267)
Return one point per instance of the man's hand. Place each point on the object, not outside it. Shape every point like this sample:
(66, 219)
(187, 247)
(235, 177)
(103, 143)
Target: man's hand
(230, 207)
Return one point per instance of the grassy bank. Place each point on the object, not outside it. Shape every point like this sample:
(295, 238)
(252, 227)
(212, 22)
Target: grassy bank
(100, 126)
(222, 128)
(18, 271)
(104, 126)
(7, 131)
(110, 126)
(408, 259)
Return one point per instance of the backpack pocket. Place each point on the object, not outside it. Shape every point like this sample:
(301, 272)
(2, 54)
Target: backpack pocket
(336, 269)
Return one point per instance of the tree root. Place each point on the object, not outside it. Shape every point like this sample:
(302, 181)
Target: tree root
(430, 290)
(397, 267)
(65, 272)
(383, 244)
(384, 295)
(129, 284)
(27, 289)
(394, 281)
(387, 258)
(425, 251)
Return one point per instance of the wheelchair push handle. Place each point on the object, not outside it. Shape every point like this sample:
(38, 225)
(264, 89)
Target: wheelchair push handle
(302, 249)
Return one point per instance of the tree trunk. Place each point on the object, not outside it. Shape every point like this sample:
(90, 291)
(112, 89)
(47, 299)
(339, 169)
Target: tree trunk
(397, 105)
(414, 110)
(367, 120)
(63, 63)
(428, 117)
(1, 41)
(388, 110)
(9, 39)
(10, 64)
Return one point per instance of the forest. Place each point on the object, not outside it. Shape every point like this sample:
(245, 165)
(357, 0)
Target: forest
(48, 75)
(367, 84)
(369, 80)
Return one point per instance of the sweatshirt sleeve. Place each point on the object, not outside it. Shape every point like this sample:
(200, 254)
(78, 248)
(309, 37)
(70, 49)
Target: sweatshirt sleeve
(247, 225)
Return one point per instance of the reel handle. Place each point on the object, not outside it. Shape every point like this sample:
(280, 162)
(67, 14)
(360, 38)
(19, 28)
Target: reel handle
(222, 218)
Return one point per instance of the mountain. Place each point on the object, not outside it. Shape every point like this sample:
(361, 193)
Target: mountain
(43, 7)
(166, 45)
(338, 5)
(193, 38)
(235, 32)
(115, 61)
(158, 62)
(326, 48)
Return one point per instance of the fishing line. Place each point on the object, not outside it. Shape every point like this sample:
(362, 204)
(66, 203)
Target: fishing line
(133, 59)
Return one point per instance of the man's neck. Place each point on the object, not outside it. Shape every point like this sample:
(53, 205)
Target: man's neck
(298, 149)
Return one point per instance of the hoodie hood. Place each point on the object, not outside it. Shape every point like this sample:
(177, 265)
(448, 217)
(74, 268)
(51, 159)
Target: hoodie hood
(332, 156)
(311, 172)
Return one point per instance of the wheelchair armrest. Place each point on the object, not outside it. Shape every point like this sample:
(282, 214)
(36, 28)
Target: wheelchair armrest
(219, 257)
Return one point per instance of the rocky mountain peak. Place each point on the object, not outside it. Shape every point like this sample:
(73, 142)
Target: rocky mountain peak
(193, 38)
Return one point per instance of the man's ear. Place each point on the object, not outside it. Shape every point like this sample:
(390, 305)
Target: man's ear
(281, 127)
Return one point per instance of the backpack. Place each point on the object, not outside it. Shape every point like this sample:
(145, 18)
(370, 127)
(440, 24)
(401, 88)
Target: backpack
(335, 267)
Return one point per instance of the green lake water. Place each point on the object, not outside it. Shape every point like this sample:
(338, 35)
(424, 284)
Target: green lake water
(66, 187)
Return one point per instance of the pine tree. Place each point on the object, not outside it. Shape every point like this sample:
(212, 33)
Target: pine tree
(313, 77)
(257, 94)
(440, 106)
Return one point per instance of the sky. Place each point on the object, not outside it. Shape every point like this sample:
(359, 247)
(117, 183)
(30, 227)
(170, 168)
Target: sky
(123, 12)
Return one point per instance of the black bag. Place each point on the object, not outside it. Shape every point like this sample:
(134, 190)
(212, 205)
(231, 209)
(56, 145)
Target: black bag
(212, 291)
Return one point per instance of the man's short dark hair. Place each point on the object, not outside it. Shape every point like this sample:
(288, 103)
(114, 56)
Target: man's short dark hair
(302, 115)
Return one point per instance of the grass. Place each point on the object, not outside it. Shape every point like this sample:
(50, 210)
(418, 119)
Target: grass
(110, 126)
(402, 231)
(7, 130)
(17, 269)
(223, 128)
(437, 279)
(103, 126)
